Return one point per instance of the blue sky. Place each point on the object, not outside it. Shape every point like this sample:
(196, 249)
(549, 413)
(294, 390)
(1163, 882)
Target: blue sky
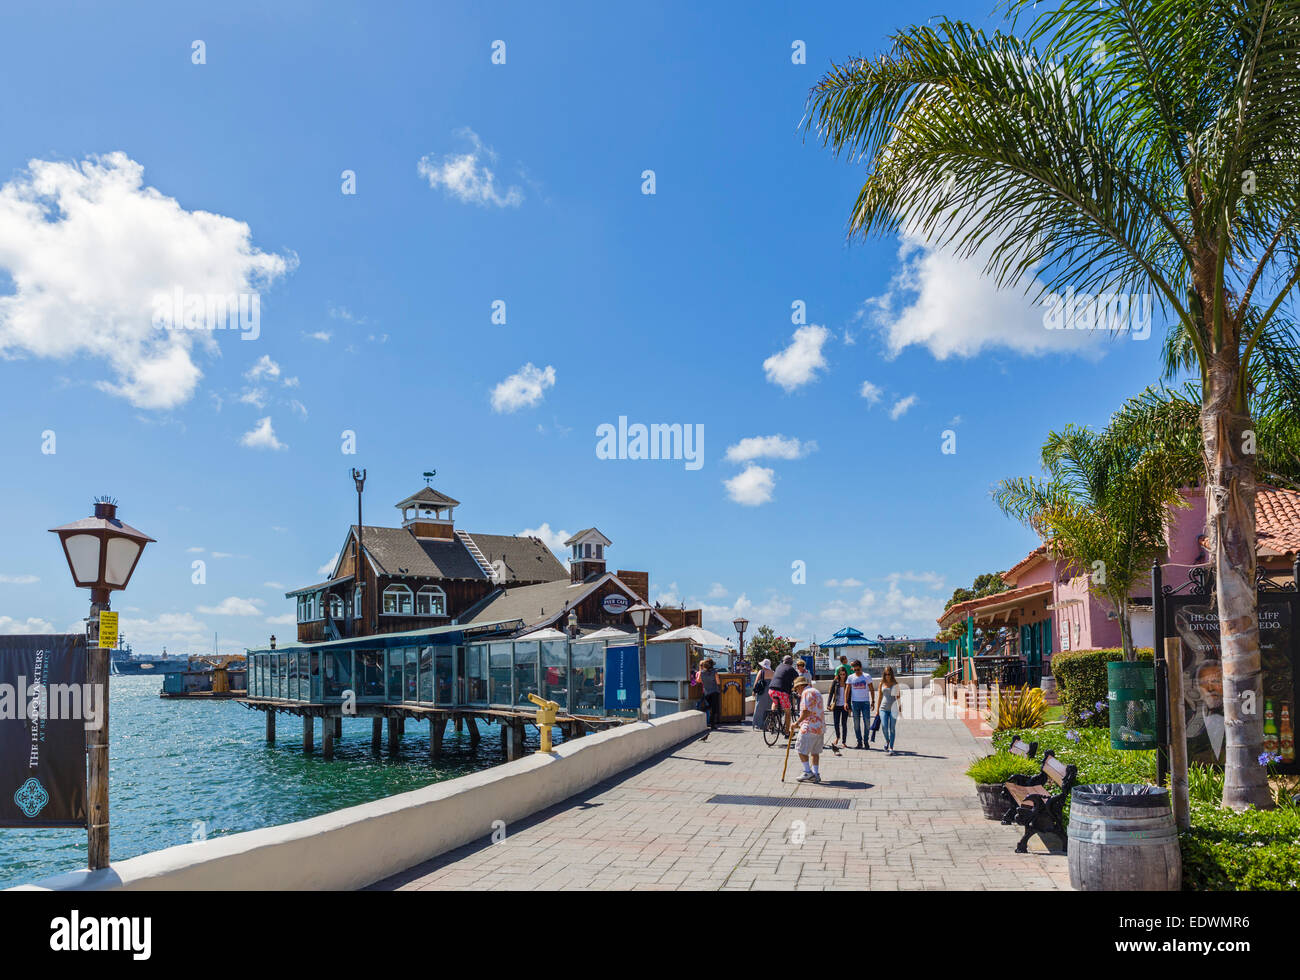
(126, 167)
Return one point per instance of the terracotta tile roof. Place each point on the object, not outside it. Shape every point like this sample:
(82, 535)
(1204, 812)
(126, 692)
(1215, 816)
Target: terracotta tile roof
(1024, 563)
(1277, 521)
(960, 609)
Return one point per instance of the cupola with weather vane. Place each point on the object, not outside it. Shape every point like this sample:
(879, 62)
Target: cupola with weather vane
(428, 514)
(587, 554)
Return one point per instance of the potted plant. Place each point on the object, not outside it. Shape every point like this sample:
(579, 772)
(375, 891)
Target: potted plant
(990, 773)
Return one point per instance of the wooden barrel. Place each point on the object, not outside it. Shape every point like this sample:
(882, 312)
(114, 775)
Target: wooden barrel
(1123, 838)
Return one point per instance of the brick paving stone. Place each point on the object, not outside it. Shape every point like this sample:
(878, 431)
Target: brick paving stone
(914, 824)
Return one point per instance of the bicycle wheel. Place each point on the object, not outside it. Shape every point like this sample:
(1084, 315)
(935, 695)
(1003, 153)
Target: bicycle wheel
(772, 726)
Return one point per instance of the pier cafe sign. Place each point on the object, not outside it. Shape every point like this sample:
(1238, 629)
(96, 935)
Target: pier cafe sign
(45, 710)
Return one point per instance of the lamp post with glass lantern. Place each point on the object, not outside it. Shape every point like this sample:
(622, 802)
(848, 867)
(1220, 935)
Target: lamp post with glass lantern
(640, 614)
(741, 624)
(102, 553)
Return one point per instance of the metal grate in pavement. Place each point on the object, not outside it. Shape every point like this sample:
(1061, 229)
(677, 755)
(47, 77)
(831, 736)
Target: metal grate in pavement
(802, 802)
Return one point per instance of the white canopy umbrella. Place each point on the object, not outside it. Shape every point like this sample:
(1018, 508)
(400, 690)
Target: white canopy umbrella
(547, 633)
(608, 633)
(694, 634)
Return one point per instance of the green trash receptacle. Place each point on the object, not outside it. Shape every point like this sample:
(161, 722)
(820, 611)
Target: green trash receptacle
(1132, 701)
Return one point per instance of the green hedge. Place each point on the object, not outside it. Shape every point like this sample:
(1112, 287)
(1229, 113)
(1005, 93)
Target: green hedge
(1251, 851)
(1081, 684)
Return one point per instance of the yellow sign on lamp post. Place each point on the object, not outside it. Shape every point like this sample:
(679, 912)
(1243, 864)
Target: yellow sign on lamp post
(107, 629)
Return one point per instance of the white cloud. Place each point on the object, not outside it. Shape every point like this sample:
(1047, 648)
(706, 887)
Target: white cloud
(872, 393)
(666, 596)
(288, 619)
(322, 335)
(948, 305)
(552, 539)
(30, 625)
(752, 486)
(523, 389)
(277, 586)
(846, 583)
(261, 436)
(798, 363)
(18, 579)
(255, 397)
(771, 447)
(89, 248)
(263, 367)
(222, 554)
(177, 630)
(901, 406)
(717, 591)
(328, 567)
(233, 606)
(466, 176)
(298, 407)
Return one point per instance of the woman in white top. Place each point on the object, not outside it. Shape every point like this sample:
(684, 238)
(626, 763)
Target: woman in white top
(888, 708)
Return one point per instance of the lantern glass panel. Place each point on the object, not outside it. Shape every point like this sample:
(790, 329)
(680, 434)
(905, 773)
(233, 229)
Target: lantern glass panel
(83, 552)
(122, 553)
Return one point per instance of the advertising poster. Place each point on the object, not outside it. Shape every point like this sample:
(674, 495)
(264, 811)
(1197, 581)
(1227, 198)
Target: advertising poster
(622, 679)
(44, 709)
(1197, 626)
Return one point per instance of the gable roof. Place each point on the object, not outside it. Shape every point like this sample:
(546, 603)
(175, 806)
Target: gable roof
(1277, 521)
(524, 559)
(428, 495)
(589, 531)
(543, 603)
(989, 603)
(1024, 564)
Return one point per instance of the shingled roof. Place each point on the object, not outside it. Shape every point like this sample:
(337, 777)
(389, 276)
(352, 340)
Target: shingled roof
(395, 551)
(428, 495)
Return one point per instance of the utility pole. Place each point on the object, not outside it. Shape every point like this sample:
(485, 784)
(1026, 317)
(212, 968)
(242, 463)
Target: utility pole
(359, 478)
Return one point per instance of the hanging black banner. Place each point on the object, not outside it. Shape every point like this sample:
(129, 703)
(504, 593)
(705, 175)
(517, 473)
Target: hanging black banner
(45, 708)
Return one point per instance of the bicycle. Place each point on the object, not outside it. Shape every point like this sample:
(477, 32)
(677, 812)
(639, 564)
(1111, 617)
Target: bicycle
(776, 724)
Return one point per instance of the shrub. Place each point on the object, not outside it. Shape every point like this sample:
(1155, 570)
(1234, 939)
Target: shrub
(1000, 767)
(1205, 783)
(1018, 709)
(1250, 851)
(1081, 684)
(942, 669)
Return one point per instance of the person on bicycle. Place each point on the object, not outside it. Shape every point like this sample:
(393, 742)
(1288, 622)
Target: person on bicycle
(782, 685)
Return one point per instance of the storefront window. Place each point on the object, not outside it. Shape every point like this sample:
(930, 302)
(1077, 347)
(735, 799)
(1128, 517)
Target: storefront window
(338, 673)
(476, 674)
(555, 672)
(444, 676)
(395, 659)
(369, 673)
(410, 690)
(426, 674)
(499, 667)
(525, 672)
(587, 678)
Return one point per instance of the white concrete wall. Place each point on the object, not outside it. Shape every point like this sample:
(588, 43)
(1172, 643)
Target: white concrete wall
(363, 844)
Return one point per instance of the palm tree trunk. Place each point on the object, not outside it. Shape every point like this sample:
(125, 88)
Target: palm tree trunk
(1230, 521)
(1125, 629)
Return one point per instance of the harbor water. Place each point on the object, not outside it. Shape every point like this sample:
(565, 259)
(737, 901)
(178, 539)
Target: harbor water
(182, 770)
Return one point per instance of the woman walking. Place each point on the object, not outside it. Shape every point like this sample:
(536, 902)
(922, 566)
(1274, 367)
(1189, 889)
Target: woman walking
(762, 699)
(839, 699)
(888, 707)
(708, 678)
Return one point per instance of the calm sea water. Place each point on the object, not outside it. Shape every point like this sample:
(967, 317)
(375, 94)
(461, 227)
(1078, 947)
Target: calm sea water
(178, 768)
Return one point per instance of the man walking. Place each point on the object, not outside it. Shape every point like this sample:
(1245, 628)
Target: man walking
(812, 728)
(782, 685)
(862, 691)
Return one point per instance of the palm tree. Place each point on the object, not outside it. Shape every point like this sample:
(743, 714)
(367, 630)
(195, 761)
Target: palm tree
(1102, 511)
(1131, 147)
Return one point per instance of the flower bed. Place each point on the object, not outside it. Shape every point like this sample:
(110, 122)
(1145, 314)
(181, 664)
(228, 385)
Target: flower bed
(1258, 850)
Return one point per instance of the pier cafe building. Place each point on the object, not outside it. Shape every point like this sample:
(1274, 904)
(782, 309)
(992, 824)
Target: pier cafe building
(429, 616)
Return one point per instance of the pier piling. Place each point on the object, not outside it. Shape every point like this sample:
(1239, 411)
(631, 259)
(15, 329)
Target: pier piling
(270, 728)
(327, 730)
(437, 726)
(376, 735)
(338, 727)
(394, 734)
(474, 736)
(308, 733)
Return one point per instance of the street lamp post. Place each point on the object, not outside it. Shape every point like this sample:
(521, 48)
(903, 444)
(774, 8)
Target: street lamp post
(640, 614)
(102, 553)
(741, 624)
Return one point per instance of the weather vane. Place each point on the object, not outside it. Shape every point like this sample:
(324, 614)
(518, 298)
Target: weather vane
(428, 477)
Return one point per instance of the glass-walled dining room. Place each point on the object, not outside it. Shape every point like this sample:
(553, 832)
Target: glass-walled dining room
(494, 673)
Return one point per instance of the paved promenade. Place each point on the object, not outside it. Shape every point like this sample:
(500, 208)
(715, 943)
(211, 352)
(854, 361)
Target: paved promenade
(913, 823)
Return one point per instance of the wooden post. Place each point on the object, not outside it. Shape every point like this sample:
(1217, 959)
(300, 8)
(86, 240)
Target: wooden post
(510, 734)
(1177, 733)
(327, 737)
(472, 725)
(437, 725)
(308, 733)
(338, 727)
(376, 734)
(270, 726)
(97, 746)
(459, 725)
(394, 735)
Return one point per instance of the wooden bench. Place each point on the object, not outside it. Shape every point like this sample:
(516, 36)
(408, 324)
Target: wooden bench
(1025, 750)
(1034, 806)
